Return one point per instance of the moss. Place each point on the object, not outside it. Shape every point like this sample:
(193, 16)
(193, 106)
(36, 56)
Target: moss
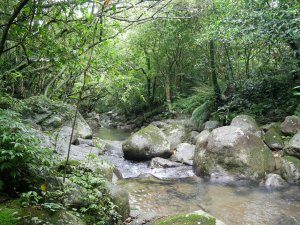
(7, 217)
(26, 215)
(192, 219)
(293, 160)
(151, 132)
(71, 164)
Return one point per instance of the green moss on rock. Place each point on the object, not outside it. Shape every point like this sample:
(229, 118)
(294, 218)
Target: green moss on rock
(192, 219)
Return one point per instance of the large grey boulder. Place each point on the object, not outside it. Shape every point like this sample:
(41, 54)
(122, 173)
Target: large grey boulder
(120, 198)
(147, 143)
(174, 131)
(246, 123)
(230, 150)
(273, 139)
(290, 169)
(63, 139)
(274, 181)
(291, 125)
(202, 137)
(293, 146)
(82, 128)
(184, 153)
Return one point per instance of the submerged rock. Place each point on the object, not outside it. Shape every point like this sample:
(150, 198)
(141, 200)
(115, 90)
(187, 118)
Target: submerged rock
(275, 181)
(184, 153)
(291, 125)
(197, 217)
(147, 143)
(293, 146)
(290, 169)
(231, 150)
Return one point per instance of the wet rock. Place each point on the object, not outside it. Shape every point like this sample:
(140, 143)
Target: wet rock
(120, 198)
(184, 153)
(147, 143)
(274, 181)
(158, 162)
(211, 125)
(273, 139)
(290, 169)
(293, 146)
(291, 125)
(234, 151)
(246, 123)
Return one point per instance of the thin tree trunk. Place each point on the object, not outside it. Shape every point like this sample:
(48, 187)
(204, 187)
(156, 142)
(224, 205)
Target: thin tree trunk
(229, 61)
(16, 12)
(79, 101)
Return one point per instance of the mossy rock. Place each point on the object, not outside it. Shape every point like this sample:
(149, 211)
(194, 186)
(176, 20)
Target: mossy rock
(7, 217)
(72, 164)
(195, 218)
(186, 220)
(273, 139)
(231, 151)
(290, 169)
(27, 216)
(147, 143)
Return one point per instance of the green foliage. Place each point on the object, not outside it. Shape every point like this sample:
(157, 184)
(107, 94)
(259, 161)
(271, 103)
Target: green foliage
(189, 104)
(202, 113)
(8, 217)
(100, 209)
(268, 99)
(191, 219)
(21, 156)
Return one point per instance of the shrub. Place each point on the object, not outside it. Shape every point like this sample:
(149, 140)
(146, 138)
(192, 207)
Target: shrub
(189, 104)
(21, 157)
(268, 99)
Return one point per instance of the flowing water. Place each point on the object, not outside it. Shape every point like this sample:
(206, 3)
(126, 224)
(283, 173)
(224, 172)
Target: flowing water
(233, 204)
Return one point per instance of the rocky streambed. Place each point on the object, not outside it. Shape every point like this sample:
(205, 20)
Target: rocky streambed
(158, 190)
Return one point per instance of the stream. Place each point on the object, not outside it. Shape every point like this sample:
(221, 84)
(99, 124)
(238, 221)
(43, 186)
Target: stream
(160, 192)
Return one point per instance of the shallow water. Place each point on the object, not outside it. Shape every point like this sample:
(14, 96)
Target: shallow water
(112, 134)
(233, 204)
